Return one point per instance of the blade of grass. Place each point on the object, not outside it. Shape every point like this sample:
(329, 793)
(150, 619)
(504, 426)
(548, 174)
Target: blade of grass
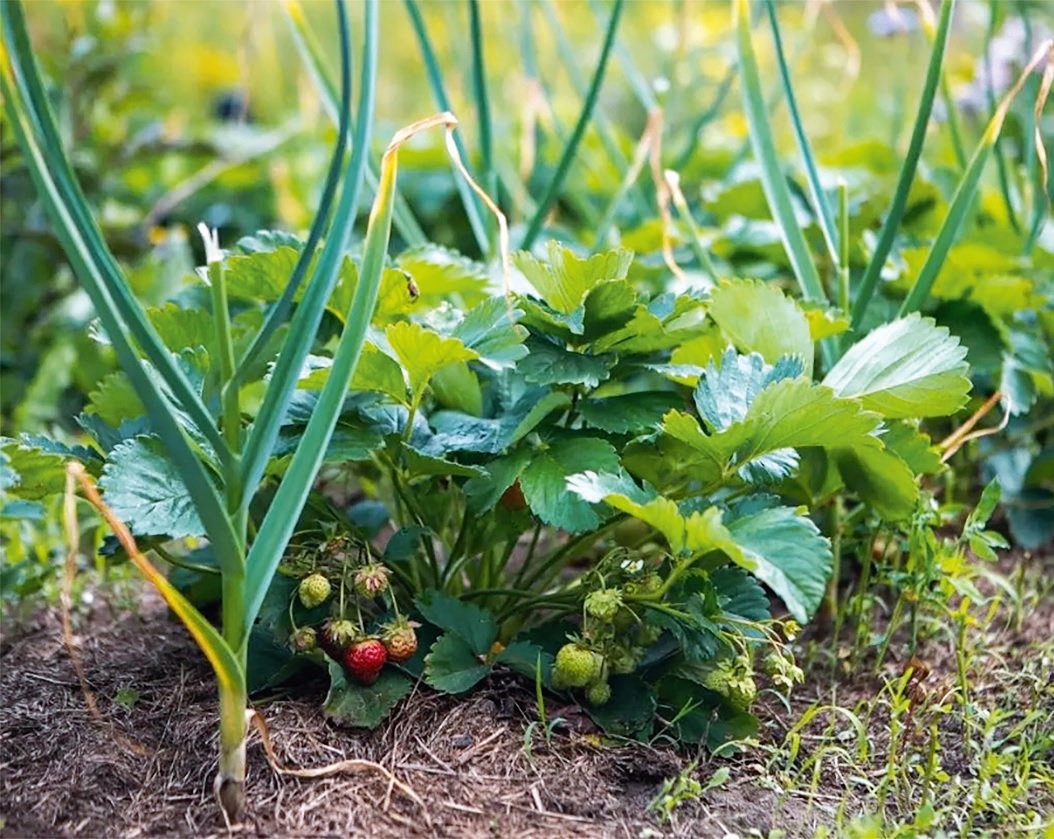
(886, 237)
(571, 148)
(775, 185)
(637, 81)
(821, 207)
(304, 327)
(963, 200)
(313, 57)
(18, 74)
(473, 208)
(36, 109)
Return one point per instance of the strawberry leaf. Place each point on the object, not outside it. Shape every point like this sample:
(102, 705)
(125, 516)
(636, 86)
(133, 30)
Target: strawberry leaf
(349, 703)
(452, 667)
(544, 481)
(470, 623)
(144, 489)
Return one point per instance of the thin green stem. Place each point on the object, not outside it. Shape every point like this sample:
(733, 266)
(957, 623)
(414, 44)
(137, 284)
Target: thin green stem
(843, 245)
(556, 183)
(472, 203)
(869, 282)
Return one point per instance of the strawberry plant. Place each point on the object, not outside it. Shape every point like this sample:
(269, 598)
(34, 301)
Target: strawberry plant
(401, 466)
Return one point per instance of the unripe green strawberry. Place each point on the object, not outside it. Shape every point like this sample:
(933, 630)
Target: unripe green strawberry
(364, 660)
(576, 666)
(648, 634)
(603, 604)
(313, 590)
(400, 640)
(732, 678)
(304, 639)
(598, 693)
(623, 659)
(371, 580)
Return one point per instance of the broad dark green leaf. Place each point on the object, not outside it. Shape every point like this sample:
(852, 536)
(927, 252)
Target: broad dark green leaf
(881, 479)
(548, 364)
(451, 666)
(631, 413)
(786, 552)
(465, 620)
(544, 481)
(349, 703)
(144, 489)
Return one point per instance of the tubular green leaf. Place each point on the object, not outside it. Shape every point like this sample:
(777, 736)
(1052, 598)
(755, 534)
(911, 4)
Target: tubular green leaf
(869, 281)
(570, 149)
(312, 55)
(89, 265)
(280, 311)
(309, 313)
(479, 92)
(772, 179)
(292, 494)
(819, 198)
(473, 206)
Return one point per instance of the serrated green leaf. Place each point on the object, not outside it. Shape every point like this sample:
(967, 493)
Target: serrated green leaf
(421, 465)
(488, 330)
(631, 413)
(259, 277)
(696, 533)
(758, 317)
(544, 481)
(465, 620)
(452, 667)
(786, 552)
(114, 400)
(907, 368)
(523, 657)
(565, 280)
(394, 297)
(349, 703)
(485, 491)
(548, 364)
(631, 710)
(145, 491)
(376, 371)
(457, 432)
(441, 273)
(39, 474)
(912, 446)
(180, 328)
(881, 479)
(608, 307)
(1026, 371)
(457, 387)
(423, 352)
(739, 594)
(724, 395)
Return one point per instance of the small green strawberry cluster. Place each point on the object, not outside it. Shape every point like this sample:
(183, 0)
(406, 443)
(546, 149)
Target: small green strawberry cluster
(616, 631)
(733, 676)
(362, 587)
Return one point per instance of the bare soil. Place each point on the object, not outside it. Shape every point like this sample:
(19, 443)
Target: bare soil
(142, 764)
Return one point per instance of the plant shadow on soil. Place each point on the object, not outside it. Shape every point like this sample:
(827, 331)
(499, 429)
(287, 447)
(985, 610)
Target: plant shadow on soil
(142, 764)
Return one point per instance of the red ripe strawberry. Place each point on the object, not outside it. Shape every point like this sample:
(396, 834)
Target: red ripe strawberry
(512, 498)
(400, 640)
(364, 660)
